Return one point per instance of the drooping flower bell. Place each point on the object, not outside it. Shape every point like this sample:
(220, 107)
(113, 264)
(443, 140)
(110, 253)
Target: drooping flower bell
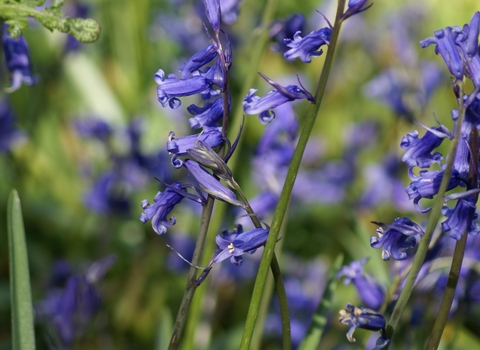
(17, 58)
(308, 46)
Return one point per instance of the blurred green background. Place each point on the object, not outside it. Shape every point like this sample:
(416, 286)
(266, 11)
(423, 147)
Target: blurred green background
(112, 79)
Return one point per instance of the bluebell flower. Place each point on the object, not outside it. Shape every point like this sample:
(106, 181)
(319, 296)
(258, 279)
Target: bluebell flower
(355, 7)
(233, 245)
(164, 203)
(461, 219)
(308, 46)
(212, 10)
(179, 146)
(468, 42)
(370, 291)
(70, 311)
(208, 116)
(284, 29)
(198, 60)
(427, 184)
(445, 46)
(419, 151)
(360, 317)
(253, 104)
(9, 134)
(93, 128)
(17, 58)
(397, 238)
(108, 195)
(209, 184)
(170, 87)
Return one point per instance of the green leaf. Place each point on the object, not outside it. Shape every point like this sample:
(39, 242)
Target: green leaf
(319, 320)
(20, 294)
(164, 330)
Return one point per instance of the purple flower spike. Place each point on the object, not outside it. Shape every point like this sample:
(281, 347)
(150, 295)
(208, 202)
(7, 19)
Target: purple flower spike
(17, 58)
(205, 181)
(198, 60)
(361, 317)
(253, 104)
(445, 46)
(419, 151)
(164, 202)
(471, 47)
(212, 10)
(396, 239)
(371, 293)
(461, 219)
(309, 46)
(233, 246)
(170, 87)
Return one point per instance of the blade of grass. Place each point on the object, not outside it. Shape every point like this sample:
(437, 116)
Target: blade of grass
(23, 336)
(319, 320)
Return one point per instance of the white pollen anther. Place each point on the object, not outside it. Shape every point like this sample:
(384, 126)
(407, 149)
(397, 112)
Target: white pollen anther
(231, 248)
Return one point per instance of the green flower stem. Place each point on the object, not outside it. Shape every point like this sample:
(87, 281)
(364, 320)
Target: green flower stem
(84, 30)
(458, 254)
(288, 186)
(427, 237)
(277, 275)
(192, 275)
(441, 319)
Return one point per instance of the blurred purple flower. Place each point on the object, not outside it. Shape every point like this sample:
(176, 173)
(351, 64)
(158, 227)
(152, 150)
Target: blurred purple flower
(230, 10)
(71, 311)
(370, 291)
(10, 136)
(17, 58)
(93, 128)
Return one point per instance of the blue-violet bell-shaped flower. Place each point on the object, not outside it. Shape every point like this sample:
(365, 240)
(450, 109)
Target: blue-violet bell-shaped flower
(445, 46)
(212, 10)
(164, 203)
(419, 150)
(361, 317)
(253, 104)
(198, 60)
(170, 87)
(355, 7)
(461, 219)
(233, 245)
(208, 116)
(179, 146)
(209, 184)
(427, 184)
(371, 293)
(308, 46)
(17, 58)
(397, 238)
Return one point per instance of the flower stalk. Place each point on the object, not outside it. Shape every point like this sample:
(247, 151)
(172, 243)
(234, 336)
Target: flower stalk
(288, 186)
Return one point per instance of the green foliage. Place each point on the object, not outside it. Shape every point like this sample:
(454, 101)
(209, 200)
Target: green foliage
(16, 14)
(20, 292)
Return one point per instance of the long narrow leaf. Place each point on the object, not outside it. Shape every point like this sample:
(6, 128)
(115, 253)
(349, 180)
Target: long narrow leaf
(20, 293)
(319, 320)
